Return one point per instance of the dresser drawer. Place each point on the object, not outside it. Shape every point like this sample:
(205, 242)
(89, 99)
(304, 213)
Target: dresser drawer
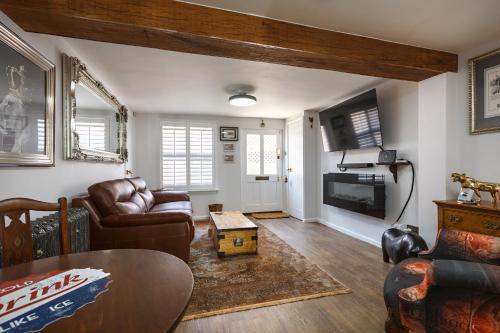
(477, 222)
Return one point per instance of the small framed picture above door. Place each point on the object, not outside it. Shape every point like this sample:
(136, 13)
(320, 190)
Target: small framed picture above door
(228, 133)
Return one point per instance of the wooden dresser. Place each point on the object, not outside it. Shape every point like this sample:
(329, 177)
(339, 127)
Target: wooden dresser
(483, 218)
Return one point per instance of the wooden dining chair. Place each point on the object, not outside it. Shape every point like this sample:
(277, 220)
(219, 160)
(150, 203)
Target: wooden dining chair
(15, 228)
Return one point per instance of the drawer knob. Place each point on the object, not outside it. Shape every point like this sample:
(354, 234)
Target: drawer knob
(491, 225)
(39, 253)
(455, 219)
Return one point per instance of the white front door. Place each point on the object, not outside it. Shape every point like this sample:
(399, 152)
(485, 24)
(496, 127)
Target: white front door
(262, 189)
(295, 172)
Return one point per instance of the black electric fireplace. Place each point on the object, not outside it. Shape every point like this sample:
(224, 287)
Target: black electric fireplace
(359, 193)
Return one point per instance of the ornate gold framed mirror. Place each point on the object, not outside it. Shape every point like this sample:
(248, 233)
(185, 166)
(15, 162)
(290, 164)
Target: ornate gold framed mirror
(95, 123)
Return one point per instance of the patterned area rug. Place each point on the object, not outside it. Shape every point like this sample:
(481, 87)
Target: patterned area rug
(277, 274)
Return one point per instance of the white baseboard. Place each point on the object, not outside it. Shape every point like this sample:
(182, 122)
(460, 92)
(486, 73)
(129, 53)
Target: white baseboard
(201, 218)
(351, 233)
(314, 219)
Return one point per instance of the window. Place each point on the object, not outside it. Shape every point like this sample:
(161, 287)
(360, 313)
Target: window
(92, 132)
(40, 126)
(187, 155)
(262, 152)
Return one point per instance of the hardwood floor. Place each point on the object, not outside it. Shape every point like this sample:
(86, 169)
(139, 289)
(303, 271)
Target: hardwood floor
(356, 264)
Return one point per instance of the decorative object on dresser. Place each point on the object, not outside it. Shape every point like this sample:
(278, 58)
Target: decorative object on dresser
(233, 233)
(46, 233)
(27, 97)
(484, 93)
(16, 231)
(454, 286)
(228, 133)
(124, 213)
(477, 186)
(95, 123)
(399, 245)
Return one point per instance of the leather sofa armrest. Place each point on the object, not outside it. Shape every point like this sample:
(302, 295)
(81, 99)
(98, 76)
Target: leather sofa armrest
(86, 202)
(129, 220)
(170, 196)
(454, 244)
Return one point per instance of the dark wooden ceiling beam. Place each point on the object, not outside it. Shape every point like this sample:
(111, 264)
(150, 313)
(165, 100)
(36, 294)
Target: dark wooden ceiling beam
(182, 27)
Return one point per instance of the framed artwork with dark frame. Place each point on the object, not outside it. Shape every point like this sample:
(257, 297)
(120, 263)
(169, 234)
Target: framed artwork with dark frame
(228, 133)
(27, 87)
(484, 94)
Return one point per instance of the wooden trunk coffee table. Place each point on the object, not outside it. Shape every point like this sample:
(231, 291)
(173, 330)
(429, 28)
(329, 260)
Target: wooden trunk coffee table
(233, 233)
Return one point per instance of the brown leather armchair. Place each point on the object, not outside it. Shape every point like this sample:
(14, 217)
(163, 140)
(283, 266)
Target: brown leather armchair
(124, 213)
(455, 287)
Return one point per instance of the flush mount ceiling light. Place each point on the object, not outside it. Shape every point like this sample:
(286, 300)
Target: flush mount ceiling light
(242, 100)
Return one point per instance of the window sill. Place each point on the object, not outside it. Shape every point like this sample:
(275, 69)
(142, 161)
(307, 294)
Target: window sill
(197, 190)
(203, 190)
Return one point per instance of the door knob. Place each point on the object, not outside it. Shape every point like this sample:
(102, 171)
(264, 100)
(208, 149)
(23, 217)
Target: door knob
(289, 169)
(285, 179)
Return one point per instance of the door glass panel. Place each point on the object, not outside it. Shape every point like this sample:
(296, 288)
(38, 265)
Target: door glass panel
(270, 157)
(253, 154)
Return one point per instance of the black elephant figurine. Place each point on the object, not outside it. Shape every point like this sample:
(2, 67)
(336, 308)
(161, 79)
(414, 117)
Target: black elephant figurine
(399, 245)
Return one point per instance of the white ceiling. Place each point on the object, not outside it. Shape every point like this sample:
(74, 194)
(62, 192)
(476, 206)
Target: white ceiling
(449, 25)
(151, 80)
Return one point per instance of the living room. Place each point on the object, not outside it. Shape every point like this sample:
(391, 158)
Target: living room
(219, 191)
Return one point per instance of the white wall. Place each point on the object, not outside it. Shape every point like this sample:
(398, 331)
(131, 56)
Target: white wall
(476, 155)
(67, 178)
(228, 175)
(434, 103)
(398, 102)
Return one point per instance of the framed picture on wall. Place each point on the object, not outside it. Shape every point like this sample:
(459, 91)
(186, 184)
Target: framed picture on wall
(228, 133)
(484, 95)
(229, 158)
(228, 147)
(27, 85)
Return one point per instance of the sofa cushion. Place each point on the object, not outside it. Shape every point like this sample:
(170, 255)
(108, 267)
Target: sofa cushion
(116, 197)
(175, 205)
(142, 190)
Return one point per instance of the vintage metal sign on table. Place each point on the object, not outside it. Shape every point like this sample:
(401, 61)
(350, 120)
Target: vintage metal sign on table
(33, 302)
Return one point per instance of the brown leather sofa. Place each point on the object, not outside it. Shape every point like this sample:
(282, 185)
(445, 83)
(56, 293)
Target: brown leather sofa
(124, 213)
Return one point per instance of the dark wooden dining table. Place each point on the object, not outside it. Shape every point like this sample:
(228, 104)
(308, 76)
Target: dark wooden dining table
(149, 292)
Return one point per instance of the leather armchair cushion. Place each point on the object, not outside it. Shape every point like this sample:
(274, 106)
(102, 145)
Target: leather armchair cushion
(128, 220)
(170, 196)
(175, 205)
(117, 197)
(142, 190)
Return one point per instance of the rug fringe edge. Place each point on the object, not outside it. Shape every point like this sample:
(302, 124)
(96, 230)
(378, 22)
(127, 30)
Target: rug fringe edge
(265, 304)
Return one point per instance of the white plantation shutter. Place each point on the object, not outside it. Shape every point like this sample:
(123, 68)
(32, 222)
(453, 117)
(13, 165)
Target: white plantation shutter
(201, 155)
(40, 125)
(92, 132)
(174, 162)
(187, 155)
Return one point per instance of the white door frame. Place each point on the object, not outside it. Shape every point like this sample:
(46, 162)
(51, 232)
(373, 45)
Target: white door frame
(297, 212)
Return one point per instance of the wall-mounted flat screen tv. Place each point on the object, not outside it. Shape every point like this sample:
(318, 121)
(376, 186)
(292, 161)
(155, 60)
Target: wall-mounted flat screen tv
(352, 124)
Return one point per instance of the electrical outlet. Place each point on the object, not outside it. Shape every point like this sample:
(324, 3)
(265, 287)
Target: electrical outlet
(412, 228)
